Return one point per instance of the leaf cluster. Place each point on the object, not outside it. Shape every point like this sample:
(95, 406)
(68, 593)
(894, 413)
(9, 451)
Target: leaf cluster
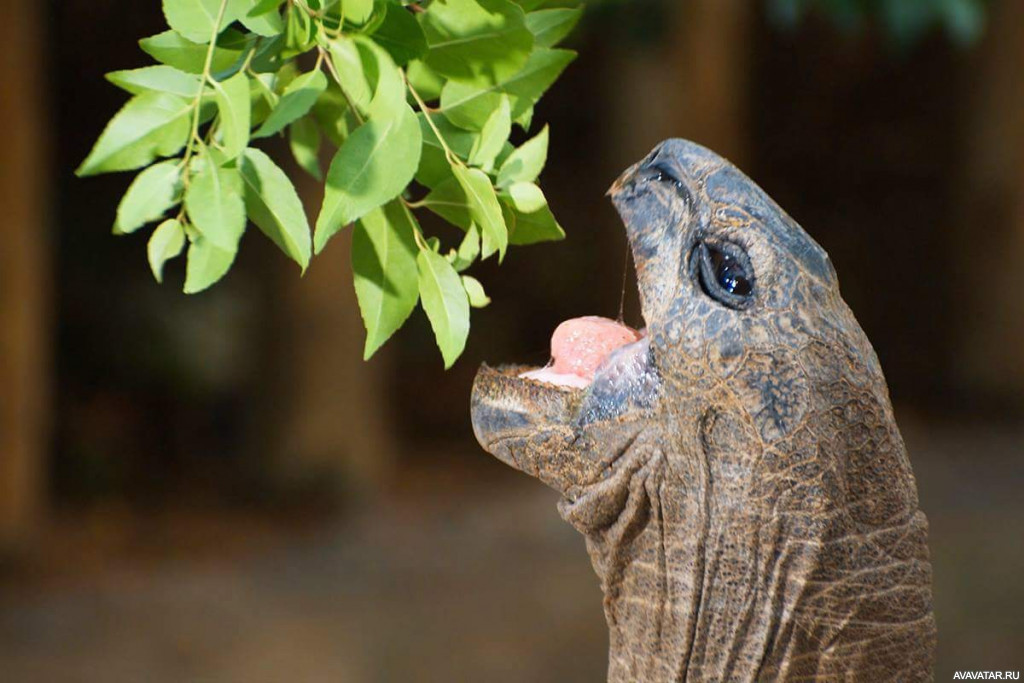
(404, 97)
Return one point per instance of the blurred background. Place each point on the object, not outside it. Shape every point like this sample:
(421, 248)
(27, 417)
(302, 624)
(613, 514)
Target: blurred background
(217, 488)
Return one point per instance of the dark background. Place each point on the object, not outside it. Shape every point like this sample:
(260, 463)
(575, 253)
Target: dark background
(217, 488)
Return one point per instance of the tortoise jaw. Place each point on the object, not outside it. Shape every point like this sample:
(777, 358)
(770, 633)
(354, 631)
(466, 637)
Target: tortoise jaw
(505, 405)
(526, 424)
(566, 437)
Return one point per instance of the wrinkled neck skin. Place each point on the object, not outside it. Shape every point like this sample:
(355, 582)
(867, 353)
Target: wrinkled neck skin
(731, 553)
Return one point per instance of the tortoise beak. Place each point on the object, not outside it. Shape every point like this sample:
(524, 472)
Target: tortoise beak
(524, 423)
(654, 226)
(624, 181)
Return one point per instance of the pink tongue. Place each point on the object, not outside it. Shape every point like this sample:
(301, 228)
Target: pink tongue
(579, 346)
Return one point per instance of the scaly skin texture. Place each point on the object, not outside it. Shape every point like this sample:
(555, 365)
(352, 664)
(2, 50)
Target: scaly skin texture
(745, 494)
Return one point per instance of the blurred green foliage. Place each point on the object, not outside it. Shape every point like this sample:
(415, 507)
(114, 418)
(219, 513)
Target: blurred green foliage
(904, 21)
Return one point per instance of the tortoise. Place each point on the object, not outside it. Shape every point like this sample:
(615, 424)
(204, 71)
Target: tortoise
(745, 494)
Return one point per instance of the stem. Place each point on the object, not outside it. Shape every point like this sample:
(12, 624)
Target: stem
(269, 95)
(330, 67)
(199, 94)
(451, 156)
(417, 231)
(420, 242)
(248, 57)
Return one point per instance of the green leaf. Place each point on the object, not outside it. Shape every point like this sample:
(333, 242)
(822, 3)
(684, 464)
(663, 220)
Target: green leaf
(476, 41)
(263, 98)
(384, 266)
(505, 153)
(448, 200)
(304, 140)
(207, 263)
(468, 250)
(273, 205)
(529, 85)
(333, 114)
(159, 78)
(424, 81)
(197, 20)
(348, 65)
(232, 98)
(150, 125)
(484, 209)
(400, 34)
(268, 55)
(165, 243)
(525, 120)
(526, 163)
(530, 228)
(445, 303)
(284, 77)
(469, 105)
(376, 17)
(549, 4)
(475, 292)
(379, 158)
(527, 197)
(214, 203)
(434, 168)
(263, 6)
(173, 50)
(389, 93)
(262, 17)
(357, 11)
(154, 191)
(300, 32)
(493, 136)
(264, 85)
(298, 98)
(374, 165)
(551, 26)
(460, 141)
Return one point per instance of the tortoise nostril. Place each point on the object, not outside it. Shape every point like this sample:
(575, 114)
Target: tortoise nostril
(660, 172)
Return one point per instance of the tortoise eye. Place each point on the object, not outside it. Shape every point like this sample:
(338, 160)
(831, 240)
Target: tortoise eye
(724, 273)
(730, 273)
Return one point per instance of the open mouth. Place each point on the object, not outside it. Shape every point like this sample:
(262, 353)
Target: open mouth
(591, 347)
(561, 421)
(583, 347)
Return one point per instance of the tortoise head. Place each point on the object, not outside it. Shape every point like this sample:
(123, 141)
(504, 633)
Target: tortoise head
(742, 310)
(740, 455)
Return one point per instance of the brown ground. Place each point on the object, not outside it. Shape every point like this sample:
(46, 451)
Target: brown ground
(471, 577)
